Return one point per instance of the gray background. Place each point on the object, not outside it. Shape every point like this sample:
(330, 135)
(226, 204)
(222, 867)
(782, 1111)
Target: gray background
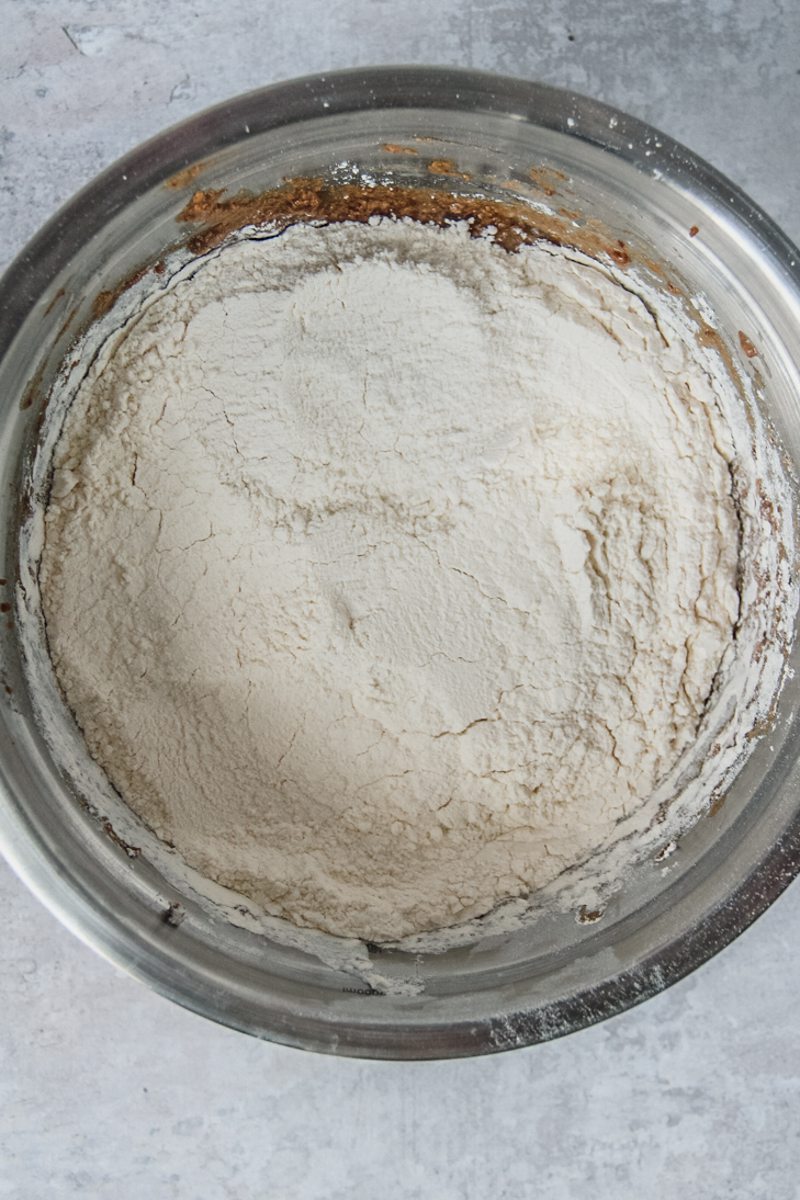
(109, 1091)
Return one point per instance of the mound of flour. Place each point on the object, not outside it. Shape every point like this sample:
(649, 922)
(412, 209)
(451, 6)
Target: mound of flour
(386, 572)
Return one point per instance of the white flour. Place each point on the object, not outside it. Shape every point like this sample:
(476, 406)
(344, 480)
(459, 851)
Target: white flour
(386, 573)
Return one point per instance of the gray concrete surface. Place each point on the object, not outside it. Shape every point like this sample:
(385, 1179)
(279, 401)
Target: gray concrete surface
(109, 1091)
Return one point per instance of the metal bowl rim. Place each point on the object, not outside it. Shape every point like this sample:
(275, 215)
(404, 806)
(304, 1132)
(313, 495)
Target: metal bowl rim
(158, 159)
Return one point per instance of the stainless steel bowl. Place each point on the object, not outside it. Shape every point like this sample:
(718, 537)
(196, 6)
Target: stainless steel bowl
(559, 975)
